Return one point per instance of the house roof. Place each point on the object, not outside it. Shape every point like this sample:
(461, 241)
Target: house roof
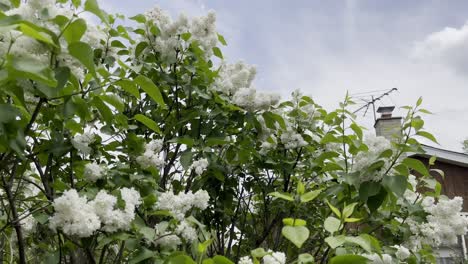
(448, 156)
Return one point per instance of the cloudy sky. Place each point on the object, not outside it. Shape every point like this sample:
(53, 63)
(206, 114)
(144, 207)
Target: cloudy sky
(326, 48)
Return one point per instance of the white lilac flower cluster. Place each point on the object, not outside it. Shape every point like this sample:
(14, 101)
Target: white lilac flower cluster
(202, 30)
(274, 258)
(235, 82)
(170, 235)
(82, 141)
(77, 216)
(444, 220)
(291, 139)
(29, 48)
(93, 171)
(363, 160)
(150, 158)
(178, 205)
(199, 166)
(402, 252)
(270, 258)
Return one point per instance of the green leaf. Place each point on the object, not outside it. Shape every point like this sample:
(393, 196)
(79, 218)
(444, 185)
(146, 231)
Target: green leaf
(151, 89)
(114, 101)
(397, 184)
(432, 160)
(427, 135)
(83, 53)
(335, 241)
(148, 122)
(104, 110)
(309, 196)
(129, 87)
(376, 201)
(284, 196)
(183, 140)
(348, 210)
(221, 260)
(368, 189)
(335, 210)
(179, 258)
(93, 7)
(419, 102)
(332, 224)
(75, 31)
(416, 165)
(296, 234)
(222, 40)
(352, 220)
(202, 247)
(348, 259)
(357, 130)
(142, 254)
(294, 222)
(217, 52)
(300, 188)
(31, 69)
(305, 258)
(33, 33)
(362, 242)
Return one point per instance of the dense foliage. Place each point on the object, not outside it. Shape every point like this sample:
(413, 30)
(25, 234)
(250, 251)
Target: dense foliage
(140, 143)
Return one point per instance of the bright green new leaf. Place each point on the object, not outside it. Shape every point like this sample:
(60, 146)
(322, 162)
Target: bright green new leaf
(296, 234)
(335, 210)
(221, 260)
(75, 31)
(217, 52)
(148, 122)
(93, 7)
(202, 247)
(40, 36)
(305, 258)
(348, 259)
(151, 89)
(129, 87)
(294, 222)
(309, 196)
(332, 224)
(284, 196)
(348, 210)
(427, 135)
(335, 241)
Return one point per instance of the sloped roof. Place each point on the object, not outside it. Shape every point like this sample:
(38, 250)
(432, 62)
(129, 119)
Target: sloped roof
(447, 156)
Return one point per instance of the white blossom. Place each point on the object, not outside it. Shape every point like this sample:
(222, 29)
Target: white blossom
(82, 142)
(291, 139)
(181, 203)
(245, 260)
(150, 158)
(274, 258)
(93, 171)
(185, 230)
(364, 159)
(199, 166)
(116, 219)
(74, 215)
(402, 252)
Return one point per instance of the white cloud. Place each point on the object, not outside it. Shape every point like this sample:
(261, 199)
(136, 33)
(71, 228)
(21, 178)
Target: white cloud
(448, 47)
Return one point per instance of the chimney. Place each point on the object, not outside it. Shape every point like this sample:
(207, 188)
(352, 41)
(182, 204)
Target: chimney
(386, 125)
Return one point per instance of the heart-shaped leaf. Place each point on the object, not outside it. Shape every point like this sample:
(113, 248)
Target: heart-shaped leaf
(296, 234)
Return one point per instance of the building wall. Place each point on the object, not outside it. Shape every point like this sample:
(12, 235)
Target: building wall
(455, 182)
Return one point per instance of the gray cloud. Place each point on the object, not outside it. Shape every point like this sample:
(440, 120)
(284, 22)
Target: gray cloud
(326, 48)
